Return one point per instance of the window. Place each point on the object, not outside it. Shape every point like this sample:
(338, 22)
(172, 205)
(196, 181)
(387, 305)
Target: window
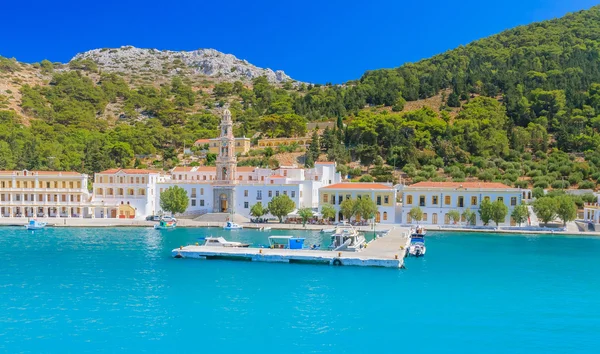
(378, 217)
(340, 199)
(434, 218)
(204, 178)
(434, 200)
(385, 215)
(193, 192)
(277, 193)
(386, 199)
(473, 200)
(325, 198)
(271, 194)
(422, 200)
(486, 198)
(461, 201)
(201, 202)
(348, 196)
(259, 195)
(446, 219)
(500, 199)
(293, 194)
(378, 200)
(513, 201)
(424, 216)
(284, 192)
(193, 202)
(143, 179)
(245, 205)
(447, 200)
(137, 180)
(141, 191)
(409, 199)
(245, 192)
(333, 199)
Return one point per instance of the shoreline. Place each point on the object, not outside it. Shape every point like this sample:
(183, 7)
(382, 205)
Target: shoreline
(189, 223)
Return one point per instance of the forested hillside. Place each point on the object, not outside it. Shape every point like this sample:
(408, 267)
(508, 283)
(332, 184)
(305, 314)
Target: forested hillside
(521, 107)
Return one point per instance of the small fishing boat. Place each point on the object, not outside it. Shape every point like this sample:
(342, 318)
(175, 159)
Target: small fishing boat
(265, 228)
(165, 224)
(346, 238)
(221, 242)
(286, 242)
(328, 231)
(232, 226)
(417, 247)
(35, 225)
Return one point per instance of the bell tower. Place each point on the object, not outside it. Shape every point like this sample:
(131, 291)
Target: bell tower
(226, 161)
(224, 185)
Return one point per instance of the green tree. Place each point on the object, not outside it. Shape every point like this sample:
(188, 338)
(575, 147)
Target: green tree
(453, 100)
(257, 210)
(566, 208)
(348, 208)
(328, 211)
(485, 211)
(367, 208)
(305, 214)
(545, 208)
(499, 211)
(174, 200)
(416, 214)
(469, 216)
(520, 214)
(280, 206)
(121, 153)
(454, 215)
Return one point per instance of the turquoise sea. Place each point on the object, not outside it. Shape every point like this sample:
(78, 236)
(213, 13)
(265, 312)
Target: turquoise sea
(99, 290)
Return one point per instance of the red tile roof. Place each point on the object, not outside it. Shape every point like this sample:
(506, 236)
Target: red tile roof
(202, 141)
(476, 185)
(358, 185)
(182, 169)
(130, 171)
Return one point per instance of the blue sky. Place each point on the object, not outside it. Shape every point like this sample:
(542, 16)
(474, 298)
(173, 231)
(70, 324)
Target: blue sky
(314, 41)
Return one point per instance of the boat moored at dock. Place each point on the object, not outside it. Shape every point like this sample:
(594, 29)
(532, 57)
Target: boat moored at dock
(286, 242)
(165, 225)
(232, 226)
(35, 225)
(347, 238)
(222, 242)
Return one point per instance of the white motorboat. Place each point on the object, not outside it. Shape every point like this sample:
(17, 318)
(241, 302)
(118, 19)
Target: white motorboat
(418, 231)
(328, 231)
(417, 249)
(265, 228)
(346, 238)
(35, 225)
(232, 226)
(221, 242)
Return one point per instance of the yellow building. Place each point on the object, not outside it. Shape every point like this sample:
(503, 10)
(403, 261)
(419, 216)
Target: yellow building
(43, 194)
(275, 142)
(242, 145)
(383, 195)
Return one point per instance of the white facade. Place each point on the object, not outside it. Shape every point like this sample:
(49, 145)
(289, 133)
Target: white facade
(436, 199)
(125, 193)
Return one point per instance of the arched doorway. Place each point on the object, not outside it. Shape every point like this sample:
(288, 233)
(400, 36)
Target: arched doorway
(223, 201)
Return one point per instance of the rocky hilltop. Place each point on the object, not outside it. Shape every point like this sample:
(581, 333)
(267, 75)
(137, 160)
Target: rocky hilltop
(207, 62)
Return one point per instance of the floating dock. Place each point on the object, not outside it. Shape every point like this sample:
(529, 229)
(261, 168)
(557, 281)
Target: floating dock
(385, 251)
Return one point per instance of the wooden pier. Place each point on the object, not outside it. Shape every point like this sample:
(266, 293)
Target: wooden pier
(386, 251)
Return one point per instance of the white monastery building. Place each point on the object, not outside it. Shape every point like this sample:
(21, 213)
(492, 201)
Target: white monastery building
(224, 188)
